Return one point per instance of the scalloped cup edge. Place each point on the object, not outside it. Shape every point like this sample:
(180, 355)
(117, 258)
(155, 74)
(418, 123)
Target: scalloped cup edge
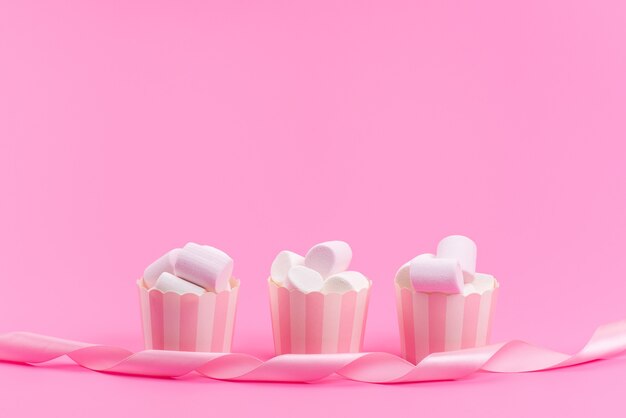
(273, 283)
(484, 292)
(234, 285)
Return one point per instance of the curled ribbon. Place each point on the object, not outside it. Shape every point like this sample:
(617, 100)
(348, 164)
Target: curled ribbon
(510, 357)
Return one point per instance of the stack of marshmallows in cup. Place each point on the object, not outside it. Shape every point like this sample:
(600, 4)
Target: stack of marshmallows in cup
(317, 305)
(194, 268)
(323, 269)
(188, 300)
(443, 303)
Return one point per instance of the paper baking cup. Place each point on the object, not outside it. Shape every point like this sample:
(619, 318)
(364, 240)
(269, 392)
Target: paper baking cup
(314, 323)
(432, 322)
(188, 322)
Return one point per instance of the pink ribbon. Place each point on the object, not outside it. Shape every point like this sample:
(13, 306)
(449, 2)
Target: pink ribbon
(511, 357)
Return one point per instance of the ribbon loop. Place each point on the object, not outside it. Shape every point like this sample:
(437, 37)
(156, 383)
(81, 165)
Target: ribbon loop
(608, 341)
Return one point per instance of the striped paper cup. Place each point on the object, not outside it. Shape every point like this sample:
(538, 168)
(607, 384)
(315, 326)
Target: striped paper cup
(432, 322)
(315, 323)
(188, 322)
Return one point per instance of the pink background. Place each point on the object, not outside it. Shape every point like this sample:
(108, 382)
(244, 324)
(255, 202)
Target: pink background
(131, 127)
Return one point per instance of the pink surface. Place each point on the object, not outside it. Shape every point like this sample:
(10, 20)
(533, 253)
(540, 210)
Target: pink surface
(129, 128)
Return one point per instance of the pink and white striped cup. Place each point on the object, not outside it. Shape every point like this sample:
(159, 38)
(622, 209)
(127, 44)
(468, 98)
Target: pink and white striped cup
(188, 322)
(315, 323)
(433, 322)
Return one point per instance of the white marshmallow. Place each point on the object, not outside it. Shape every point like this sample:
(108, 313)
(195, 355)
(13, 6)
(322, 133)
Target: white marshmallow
(469, 288)
(164, 264)
(304, 279)
(209, 268)
(345, 282)
(328, 258)
(459, 247)
(483, 282)
(169, 283)
(436, 275)
(403, 275)
(282, 263)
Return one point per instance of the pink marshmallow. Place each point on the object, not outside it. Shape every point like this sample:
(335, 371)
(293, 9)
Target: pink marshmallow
(165, 264)
(403, 275)
(205, 266)
(463, 249)
(442, 275)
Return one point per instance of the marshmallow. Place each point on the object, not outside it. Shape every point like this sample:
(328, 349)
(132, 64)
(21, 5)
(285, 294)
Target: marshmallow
(483, 282)
(461, 248)
(403, 275)
(425, 255)
(202, 250)
(169, 283)
(436, 275)
(163, 264)
(215, 255)
(469, 288)
(282, 263)
(328, 258)
(206, 266)
(345, 282)
(304, 279)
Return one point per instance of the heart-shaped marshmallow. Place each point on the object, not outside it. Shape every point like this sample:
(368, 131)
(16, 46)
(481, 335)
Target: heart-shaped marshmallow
(461, 248)
(205, 266)
(304, 279)
(164, 264)
(345, 282)
(284, 261)
(436, 275)
(169, 283)
(328, 258)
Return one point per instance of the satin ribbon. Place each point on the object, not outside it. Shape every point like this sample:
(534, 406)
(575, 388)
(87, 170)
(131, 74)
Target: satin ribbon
(510, 357)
